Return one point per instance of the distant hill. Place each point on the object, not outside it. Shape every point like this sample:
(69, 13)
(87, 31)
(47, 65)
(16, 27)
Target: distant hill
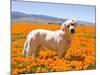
(21, 17)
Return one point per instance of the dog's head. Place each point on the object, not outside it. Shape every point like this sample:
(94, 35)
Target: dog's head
(69, 26)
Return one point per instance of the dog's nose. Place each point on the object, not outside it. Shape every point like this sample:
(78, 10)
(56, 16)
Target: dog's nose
(72, 31)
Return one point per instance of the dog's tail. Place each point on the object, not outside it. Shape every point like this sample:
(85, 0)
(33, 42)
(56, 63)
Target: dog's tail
(24, 53)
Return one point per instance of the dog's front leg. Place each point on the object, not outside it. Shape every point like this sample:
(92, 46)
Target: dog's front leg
(61, 53)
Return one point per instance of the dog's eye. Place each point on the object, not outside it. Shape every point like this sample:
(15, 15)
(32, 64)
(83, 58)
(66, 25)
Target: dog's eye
(72, 24)
(68, 26)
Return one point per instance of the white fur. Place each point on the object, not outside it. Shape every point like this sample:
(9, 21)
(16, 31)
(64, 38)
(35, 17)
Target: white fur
(56, 40)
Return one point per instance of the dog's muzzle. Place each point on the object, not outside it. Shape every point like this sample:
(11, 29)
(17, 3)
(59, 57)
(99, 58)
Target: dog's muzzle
(72, 31)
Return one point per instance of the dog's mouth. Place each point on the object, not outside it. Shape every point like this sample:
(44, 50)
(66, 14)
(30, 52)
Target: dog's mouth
(72, 31)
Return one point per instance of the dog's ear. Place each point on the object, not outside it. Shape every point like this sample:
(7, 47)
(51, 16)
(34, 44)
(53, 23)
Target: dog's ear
(63, 27)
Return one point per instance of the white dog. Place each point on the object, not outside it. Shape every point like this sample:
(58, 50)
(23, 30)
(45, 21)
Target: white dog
(56, 40)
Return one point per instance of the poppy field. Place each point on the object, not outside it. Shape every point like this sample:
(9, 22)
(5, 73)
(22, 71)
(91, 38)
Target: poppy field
(80, 56)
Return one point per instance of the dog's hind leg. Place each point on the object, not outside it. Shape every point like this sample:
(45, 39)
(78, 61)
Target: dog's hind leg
(34, 48)
(36, 51)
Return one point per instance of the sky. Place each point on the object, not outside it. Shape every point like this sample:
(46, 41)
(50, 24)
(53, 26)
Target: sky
(67, 11)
